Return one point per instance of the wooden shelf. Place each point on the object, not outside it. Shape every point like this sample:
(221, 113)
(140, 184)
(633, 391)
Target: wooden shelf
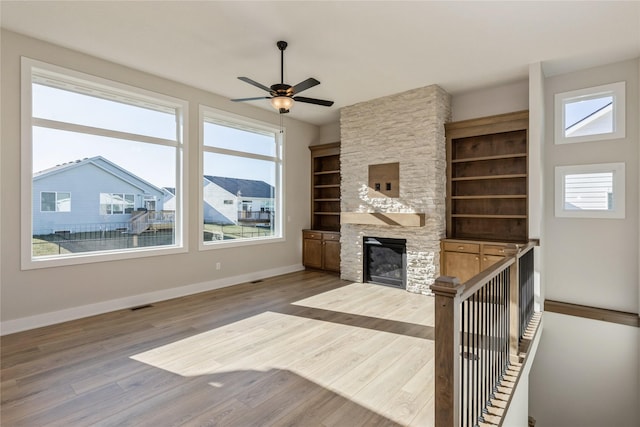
(490, 196)
(328, 200)
(327, 186)
(480, 159)
(487, 178)
(326, 213)
(489, 216)
(326, 172)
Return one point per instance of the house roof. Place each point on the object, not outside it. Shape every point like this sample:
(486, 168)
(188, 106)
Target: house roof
(102, 163)
(243, 187)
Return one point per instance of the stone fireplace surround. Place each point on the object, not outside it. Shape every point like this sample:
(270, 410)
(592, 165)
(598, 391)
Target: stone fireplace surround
(407, 128)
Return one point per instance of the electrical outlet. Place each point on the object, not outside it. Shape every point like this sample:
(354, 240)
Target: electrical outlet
(218, 266)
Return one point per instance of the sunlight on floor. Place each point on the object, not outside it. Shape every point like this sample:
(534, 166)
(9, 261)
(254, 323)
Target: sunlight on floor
(390, 373)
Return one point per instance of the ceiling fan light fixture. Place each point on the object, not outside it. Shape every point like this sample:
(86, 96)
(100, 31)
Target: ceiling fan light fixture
(282, 102)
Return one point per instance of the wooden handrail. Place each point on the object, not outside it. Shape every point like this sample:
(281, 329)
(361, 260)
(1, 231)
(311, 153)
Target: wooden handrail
(472, 285)
(595, 313)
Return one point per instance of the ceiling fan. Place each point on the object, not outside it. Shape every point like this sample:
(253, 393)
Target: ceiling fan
(283, 95)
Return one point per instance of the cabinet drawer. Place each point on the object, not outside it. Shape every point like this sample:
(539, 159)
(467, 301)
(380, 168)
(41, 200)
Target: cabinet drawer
(311, 235)
(495, 250)
(471, 248)
(331, 236)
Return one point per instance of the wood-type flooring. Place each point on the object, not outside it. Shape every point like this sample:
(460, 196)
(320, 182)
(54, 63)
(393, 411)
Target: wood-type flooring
(302, 349)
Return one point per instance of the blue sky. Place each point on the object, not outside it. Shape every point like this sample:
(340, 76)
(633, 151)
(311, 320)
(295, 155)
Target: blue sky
(576, 111)
(154, 163)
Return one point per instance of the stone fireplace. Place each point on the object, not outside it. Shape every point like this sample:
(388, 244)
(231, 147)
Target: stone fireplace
(406, 129)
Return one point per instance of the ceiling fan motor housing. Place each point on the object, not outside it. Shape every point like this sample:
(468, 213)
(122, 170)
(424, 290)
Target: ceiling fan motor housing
(281, 89)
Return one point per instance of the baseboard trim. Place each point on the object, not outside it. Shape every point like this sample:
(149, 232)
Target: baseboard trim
(595, 313)
(51, 318)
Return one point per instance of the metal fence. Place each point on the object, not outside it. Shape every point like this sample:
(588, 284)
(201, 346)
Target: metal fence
(76, 238)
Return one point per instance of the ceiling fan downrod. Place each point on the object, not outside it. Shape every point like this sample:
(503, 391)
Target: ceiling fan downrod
(282, 45)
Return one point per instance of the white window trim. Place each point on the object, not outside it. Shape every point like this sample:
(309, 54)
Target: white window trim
(618, 211)
(616, 90)
(241, 122)
(27, 262)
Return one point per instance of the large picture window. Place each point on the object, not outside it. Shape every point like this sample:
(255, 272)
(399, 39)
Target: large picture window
(117, 149)
(241, 166)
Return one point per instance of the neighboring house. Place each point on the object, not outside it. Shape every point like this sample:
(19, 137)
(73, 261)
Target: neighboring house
(91, 194)
(597, 122)
(169, 200)
(234, 200)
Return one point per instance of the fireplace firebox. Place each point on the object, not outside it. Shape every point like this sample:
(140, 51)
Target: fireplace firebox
(385, 261)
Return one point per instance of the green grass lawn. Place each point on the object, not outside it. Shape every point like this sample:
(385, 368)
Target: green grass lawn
(237, 231)
(42, 247)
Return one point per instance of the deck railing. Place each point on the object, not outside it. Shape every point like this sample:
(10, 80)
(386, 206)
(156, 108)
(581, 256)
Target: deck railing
(478, 327)
(255, 215)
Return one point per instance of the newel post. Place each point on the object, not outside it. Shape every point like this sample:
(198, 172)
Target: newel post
(447, 292)
(514, 304)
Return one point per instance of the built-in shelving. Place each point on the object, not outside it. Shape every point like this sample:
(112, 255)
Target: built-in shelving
(487, 178)
(321, 244)
(325, 191)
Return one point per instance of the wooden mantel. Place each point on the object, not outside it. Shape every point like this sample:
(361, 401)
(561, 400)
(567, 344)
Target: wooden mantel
(379, 218)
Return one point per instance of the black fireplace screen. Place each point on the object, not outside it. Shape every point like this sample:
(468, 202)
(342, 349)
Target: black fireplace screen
(385, 261)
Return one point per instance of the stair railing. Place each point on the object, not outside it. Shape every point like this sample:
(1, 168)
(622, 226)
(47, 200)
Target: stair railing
(478, 325)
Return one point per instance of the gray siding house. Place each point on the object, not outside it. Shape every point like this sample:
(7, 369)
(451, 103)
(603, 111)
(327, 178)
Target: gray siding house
(91, 194)
(234, 200)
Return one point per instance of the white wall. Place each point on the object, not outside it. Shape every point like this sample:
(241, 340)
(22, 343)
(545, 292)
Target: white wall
(490, 101)
(35, 297)
(586, 372)
(593, 261)
(329, 133)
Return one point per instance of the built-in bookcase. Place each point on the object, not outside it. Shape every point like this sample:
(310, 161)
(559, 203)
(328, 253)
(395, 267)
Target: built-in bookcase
(487, 182)
(325, 181)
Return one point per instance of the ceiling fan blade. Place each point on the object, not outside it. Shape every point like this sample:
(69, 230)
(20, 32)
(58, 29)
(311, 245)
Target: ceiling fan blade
(309, 83)
(255, 98)
(254, 83)
(313, 101)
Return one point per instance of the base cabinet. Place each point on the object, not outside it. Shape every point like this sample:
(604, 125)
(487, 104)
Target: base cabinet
(321, 250)
(464, 259)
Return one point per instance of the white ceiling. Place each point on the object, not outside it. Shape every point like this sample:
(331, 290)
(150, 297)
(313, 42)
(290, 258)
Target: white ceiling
(358, 50)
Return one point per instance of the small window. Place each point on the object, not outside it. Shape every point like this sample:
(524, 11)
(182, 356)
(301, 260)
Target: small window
(590, 114)
(116, 203)
(51, 201)
(590, 191)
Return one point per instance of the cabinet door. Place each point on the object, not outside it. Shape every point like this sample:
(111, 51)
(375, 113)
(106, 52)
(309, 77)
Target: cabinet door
(312, 253)
(332, 255)
(489, 260)
(461, 265)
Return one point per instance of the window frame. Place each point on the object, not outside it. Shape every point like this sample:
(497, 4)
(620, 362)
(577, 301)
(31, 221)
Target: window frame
(615, 90)
(29, 67)
(124, 203)
(55, 201)
(248, 124)
(618, 211)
